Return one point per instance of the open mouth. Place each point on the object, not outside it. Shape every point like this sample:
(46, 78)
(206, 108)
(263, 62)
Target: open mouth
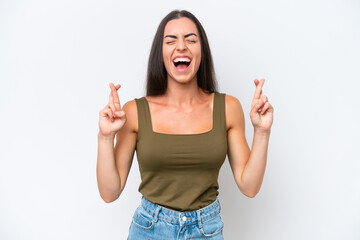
(182, 64)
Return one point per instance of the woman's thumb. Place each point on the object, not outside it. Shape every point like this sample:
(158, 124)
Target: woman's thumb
(120, 113)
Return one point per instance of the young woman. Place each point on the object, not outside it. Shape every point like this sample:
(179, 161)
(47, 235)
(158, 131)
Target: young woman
(181, 131)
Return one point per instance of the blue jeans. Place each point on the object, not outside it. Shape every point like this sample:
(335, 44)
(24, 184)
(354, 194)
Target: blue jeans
(152, 221)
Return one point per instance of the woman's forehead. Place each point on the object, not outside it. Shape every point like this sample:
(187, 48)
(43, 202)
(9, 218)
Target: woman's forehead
(180, 26)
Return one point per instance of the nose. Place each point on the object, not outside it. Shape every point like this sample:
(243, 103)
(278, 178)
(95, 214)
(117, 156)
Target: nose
(181, 45)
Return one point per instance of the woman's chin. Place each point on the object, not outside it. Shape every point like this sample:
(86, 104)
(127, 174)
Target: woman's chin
(183, 79)
(182, 76)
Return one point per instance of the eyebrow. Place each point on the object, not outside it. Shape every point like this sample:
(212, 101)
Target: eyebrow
(187, 35)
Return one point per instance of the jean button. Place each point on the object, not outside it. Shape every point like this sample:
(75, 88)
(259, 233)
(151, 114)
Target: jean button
(184, 218)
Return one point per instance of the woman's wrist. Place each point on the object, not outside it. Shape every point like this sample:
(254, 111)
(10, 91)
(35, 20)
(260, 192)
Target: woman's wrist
(109, 137)
(262, 132)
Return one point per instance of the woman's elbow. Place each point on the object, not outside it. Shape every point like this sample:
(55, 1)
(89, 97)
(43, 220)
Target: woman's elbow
(110, 198)
(252, 195)
(246, 193)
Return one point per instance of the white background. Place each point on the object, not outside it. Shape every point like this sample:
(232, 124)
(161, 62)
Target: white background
(58, 57)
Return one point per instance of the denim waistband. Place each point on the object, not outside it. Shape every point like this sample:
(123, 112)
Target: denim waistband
(181, 218)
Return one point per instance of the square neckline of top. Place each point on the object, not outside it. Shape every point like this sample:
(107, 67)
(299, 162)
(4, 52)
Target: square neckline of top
(183, 134)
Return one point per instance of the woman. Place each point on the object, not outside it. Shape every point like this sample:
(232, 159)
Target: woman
(182, 130)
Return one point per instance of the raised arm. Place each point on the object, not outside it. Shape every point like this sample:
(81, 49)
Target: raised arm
(114, 163)
(248, 166)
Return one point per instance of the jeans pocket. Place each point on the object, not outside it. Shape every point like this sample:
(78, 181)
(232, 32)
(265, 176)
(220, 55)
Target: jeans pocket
(143, 219)
(212, 226)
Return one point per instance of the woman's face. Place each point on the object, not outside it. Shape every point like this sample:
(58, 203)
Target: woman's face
(181, 49)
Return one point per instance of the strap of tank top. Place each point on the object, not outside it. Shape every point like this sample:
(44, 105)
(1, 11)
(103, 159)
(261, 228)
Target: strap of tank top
(143, 115)
(219, 108)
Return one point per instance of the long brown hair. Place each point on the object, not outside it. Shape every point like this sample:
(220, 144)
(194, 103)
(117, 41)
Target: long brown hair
(156, 72)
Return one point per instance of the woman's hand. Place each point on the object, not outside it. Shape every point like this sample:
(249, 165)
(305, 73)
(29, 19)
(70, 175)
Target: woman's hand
(261, 113)
(112, 118)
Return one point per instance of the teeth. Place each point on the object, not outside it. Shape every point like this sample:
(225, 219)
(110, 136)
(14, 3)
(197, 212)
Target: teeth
(182, 60)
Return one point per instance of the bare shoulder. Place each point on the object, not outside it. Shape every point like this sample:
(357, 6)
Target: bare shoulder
(130, 109)
(234, 113)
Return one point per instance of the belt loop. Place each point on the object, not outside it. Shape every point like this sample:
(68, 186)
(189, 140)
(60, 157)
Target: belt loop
(219, 204)
(199, 218)
(158, 208)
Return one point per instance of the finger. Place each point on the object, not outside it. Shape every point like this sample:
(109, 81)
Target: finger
(120, 113)
(108, 113)
(258, 89)
(257, 83)
(261, 96)
(117, 86)
(115, 97)
(257, 107)
(264, 98)
(265, 107)
(255, 101)
(261, 107)
(112, 105)
(270, 109)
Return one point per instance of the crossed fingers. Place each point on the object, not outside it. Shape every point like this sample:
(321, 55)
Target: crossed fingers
(114, 102)
(258, 96)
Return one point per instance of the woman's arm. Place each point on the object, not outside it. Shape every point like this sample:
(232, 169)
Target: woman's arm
(248, 167)
(114, 163)
(238, 149)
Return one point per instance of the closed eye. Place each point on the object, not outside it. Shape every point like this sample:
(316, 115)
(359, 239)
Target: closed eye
(190, 41)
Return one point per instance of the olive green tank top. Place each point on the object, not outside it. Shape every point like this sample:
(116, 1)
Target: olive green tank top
(180, 171)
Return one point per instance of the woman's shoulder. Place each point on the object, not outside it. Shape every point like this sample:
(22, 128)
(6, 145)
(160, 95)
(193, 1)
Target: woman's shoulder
(130, 109)
(230, 100)
(233, 111)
